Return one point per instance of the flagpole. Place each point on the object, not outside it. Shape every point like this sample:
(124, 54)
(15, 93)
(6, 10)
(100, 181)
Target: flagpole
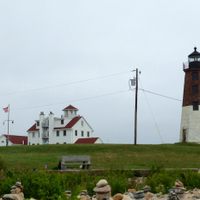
(8, 128)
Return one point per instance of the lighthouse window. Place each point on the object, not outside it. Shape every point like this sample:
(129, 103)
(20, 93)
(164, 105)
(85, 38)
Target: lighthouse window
(194, 89)
(195, 105)
(195, 76)
(191, 59)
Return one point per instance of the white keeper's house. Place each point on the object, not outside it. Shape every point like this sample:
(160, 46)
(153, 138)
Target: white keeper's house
(66, 129)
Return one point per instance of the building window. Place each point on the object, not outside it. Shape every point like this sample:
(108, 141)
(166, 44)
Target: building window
(195, 105)
(82, 123)
(88, 133)
(195, 76)
(82, 133)
(76, 133)
(64, 133)
(195, 89)
(33, 134)
(38, 123)
(62, 121)
(57, 133)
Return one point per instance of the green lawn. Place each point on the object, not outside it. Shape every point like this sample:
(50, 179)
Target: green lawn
(105, 156)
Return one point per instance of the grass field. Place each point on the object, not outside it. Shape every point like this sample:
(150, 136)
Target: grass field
(104, 156)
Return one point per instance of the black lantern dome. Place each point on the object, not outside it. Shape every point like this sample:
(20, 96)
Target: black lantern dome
(194, 56)
(194, 59)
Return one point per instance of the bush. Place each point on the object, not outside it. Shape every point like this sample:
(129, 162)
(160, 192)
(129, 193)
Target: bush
(190, 179)
(50, 186)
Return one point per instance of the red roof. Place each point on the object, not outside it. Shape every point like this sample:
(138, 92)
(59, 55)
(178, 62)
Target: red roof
(86, 140)
(70, 107)
(33, 128)
(17, 139)
(73, 122)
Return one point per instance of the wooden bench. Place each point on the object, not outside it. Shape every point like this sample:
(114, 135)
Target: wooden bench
(68, 162)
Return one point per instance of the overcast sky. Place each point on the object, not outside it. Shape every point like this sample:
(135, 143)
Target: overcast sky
(59, 52)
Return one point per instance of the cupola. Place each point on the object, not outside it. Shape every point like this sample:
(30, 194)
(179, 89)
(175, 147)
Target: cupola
(194, 59)
(70, 111)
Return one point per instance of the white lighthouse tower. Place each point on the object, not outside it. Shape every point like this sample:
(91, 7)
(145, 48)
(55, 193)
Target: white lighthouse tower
(190, 119)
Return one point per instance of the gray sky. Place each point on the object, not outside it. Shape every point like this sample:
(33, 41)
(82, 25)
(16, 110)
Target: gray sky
(47, 49)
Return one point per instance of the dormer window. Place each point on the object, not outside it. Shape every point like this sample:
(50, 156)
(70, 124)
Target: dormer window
(62, 121)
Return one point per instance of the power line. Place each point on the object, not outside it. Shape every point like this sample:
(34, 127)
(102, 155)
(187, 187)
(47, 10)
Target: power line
(76, 100)
(67, 84)
(152, 114)
(97, 96)
(161, 95)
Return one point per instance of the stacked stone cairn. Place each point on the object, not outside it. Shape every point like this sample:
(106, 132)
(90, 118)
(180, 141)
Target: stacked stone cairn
(84, 195)
(102, 190)
(16, 192)
(177, 192)
(131, 194)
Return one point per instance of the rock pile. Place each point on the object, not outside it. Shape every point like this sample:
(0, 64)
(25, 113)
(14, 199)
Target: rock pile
(177, 192)
(102, 191)
(16, 193)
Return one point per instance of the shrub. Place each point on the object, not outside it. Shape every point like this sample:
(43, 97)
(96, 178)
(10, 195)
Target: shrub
(190, 179)
(161, 181)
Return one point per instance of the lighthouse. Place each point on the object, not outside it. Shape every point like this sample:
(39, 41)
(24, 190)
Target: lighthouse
(190, 119)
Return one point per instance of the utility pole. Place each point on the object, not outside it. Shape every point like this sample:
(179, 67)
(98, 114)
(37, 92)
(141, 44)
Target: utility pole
(136, 105)
(134, 82)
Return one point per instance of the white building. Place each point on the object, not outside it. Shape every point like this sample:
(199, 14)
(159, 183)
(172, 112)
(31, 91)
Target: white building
(64, 130)
(9, 140)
